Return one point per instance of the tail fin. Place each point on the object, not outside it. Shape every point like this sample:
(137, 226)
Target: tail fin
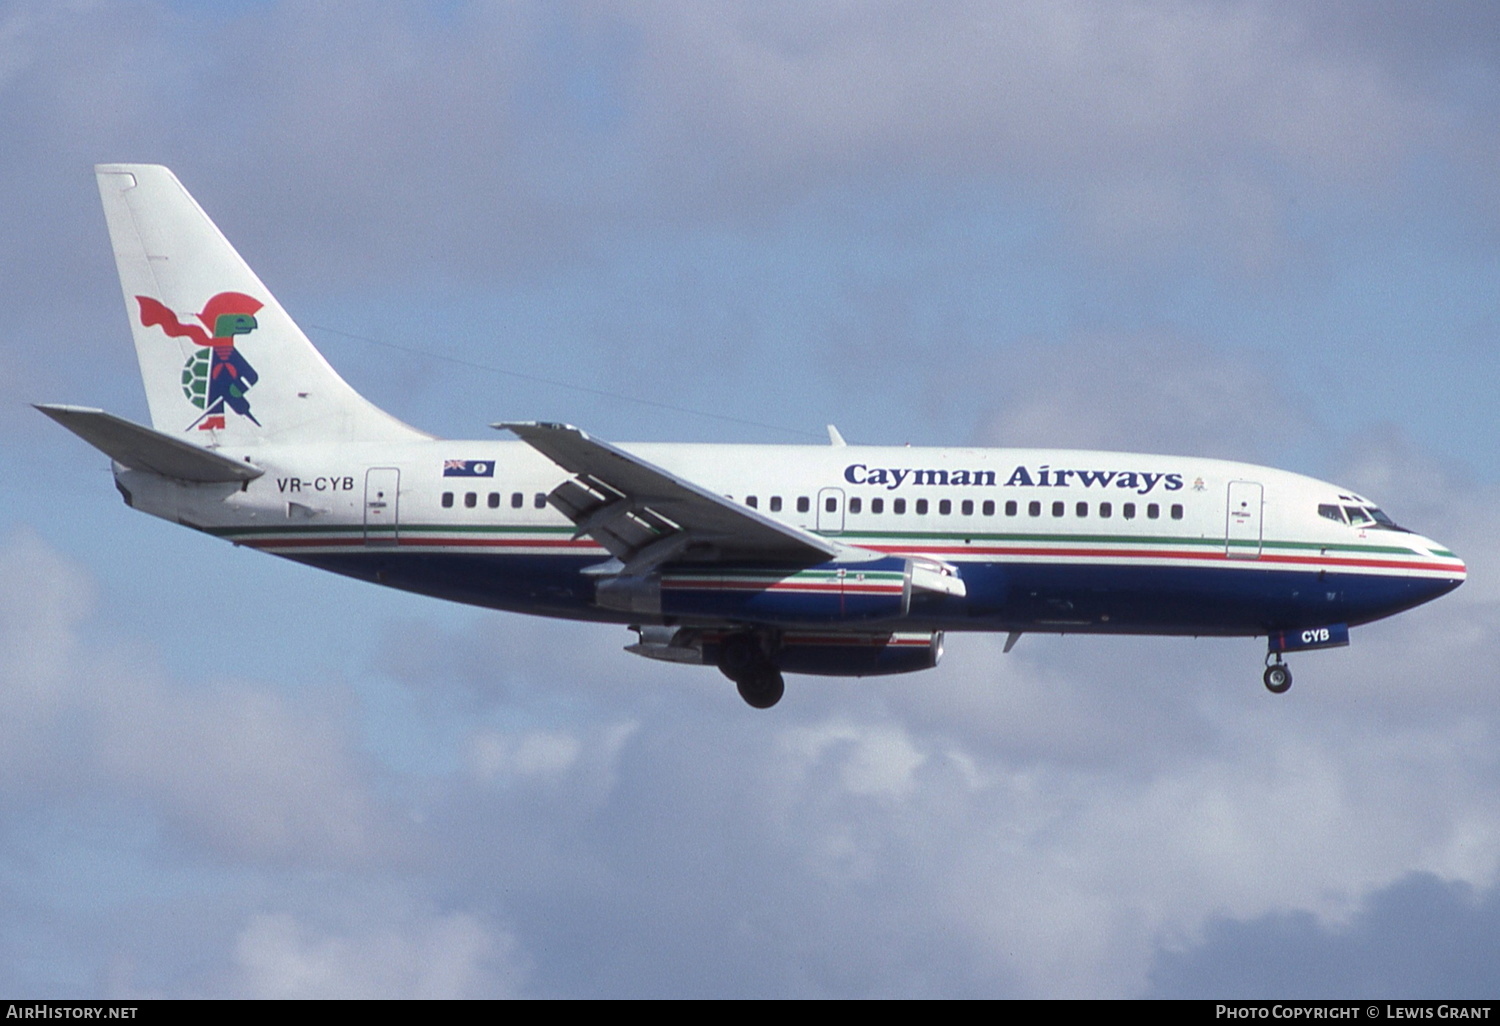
(222, 361)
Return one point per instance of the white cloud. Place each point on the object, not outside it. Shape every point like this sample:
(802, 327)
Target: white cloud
(1064, 878)
(1449, 939)
(1137, 393)
(549, 757)
(876, 761)
(535, 754)
(1146, 125)
(233, 764)
(1041, 822)
(1057, 813)
(1158, 122)
(422, 956)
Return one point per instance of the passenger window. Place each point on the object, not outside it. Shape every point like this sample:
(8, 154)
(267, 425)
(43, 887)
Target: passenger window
(1058, 508)
(1128, 511)
(517, 500)
(1010, 508)
(1152, 511)
(540, 502)
(1034, 509)
(921, 507)
(1082, 509)
(775, 504)
(471, 500)
(967, 509)
(752, 501)
(494, 500)
(831, 504)
(988, 509)
(447, 500)
(945, 506)
(1176, 511)
(898, 506)
(1106, 510)
(855, 505)
(803, 504)
(877, 505)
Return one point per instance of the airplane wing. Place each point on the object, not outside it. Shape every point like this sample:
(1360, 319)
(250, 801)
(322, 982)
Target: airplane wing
(644, 515)
(141, 448)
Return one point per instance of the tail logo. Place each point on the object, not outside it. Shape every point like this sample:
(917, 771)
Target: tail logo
(216, 375)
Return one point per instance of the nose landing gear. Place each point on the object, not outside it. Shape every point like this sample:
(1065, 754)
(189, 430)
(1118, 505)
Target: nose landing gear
(1278, 676)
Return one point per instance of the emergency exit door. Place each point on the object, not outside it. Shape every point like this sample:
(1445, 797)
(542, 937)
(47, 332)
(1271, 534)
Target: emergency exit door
(830, 510)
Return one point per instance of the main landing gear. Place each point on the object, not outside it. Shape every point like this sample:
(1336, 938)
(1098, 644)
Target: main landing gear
(1278, 675)
(743, 659)
(762, 690)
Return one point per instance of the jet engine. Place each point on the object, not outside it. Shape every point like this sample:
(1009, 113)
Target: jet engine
(829, 593)
(821, 653)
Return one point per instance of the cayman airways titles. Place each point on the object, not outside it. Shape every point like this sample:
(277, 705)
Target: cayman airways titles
(1140, 482)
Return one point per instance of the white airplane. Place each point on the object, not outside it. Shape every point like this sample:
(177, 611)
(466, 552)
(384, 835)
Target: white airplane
(761, 560)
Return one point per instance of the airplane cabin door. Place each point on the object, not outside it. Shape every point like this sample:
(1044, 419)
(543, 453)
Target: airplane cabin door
(830, 511)
(1242, 532)
(382, 521)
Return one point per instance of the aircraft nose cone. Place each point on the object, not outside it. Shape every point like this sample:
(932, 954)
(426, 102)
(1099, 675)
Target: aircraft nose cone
(1447, 570)
(1428, 572)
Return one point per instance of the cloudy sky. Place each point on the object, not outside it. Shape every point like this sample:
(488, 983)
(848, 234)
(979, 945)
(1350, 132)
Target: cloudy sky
(1265, 231)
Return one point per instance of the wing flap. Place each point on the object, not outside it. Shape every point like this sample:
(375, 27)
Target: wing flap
(644, 515)
(141, 448)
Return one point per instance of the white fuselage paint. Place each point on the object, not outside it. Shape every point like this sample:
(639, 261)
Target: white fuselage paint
(324, 488)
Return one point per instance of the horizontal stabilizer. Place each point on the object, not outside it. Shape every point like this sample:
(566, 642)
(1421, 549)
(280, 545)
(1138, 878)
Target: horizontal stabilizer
(141, 448)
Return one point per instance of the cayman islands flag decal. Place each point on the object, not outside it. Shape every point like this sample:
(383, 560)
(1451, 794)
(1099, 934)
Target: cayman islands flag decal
(468, 468)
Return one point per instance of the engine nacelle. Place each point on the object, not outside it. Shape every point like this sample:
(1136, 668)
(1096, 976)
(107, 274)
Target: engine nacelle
(858, 655)
(821, 653)
(830, 593)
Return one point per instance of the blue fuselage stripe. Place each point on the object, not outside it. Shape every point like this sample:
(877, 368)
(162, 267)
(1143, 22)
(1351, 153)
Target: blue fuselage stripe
(1040, 596)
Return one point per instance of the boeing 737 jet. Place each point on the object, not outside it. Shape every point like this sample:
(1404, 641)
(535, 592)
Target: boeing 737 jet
(758, 560)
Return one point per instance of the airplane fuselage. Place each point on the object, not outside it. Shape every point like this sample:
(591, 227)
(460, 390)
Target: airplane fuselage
(759, 560)
(1043, 540)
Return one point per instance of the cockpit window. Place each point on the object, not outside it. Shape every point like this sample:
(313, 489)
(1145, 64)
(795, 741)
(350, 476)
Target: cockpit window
(1363, 517)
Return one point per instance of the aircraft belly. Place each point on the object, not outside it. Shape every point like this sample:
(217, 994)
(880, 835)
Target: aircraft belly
(1197, 600)
(1062, 598)
(544, 585)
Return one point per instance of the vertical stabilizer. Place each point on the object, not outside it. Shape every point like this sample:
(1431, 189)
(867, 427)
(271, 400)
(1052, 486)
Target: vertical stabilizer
(223, 363)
